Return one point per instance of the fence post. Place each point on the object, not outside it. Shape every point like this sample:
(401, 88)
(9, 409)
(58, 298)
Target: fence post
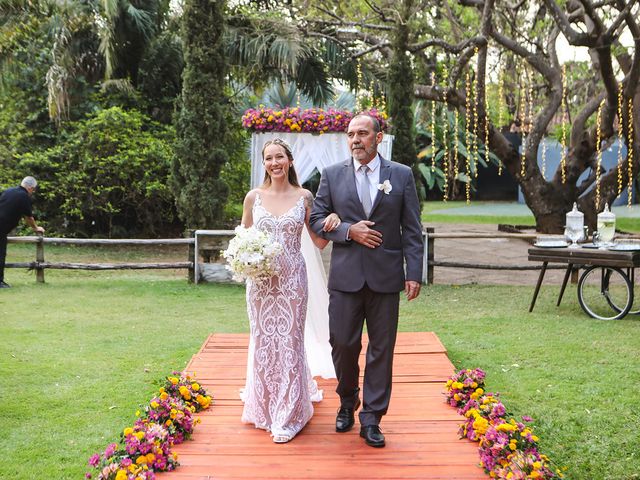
(428, 255)
(40, 259)
(191, 257)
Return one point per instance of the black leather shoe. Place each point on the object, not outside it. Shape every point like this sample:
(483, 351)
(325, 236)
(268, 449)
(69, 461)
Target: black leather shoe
(4, 285)
(372, 436)
(346, 418)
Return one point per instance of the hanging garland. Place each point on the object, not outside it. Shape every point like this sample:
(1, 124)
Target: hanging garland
(486, 128)
(523, 112)
(445, 133)
(598, 152)
(476, 129)
(456, 133)
(359, 95)
(433, 124)
(382, 103)
(500, 108)
(620, 138)
(630, 153)
(544, 157)
(563, 137)
(467, 136)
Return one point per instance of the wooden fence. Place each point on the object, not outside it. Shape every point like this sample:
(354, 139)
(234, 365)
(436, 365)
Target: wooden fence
(39, 265)
(217, 241)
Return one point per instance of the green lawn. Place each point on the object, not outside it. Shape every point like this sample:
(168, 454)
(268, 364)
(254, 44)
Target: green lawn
(81, 352)
(623, 224)
(429, 217)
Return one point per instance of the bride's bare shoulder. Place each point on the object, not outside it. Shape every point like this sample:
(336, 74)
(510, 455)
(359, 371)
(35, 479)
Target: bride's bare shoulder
(250, 197)
(252, 194)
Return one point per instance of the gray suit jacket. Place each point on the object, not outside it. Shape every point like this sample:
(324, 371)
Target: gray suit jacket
(396, 216)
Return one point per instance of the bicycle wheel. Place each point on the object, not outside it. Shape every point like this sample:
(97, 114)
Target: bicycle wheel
(635, 306)
(605, 293)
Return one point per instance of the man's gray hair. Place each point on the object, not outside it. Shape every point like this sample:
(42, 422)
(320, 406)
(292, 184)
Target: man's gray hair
(375, 123)
(29, 182)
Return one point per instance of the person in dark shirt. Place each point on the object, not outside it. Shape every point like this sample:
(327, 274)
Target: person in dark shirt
(15, 203)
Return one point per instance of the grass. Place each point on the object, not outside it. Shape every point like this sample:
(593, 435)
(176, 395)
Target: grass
(83, 351)
(429, 217)
(623, 224)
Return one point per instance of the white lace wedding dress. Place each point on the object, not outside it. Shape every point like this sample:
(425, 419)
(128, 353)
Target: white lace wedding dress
(279, 388)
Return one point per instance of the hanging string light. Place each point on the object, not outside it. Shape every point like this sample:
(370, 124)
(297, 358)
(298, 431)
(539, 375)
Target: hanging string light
(563, 136)
(372, 98)
(523, 112)
(530, 116)
(598, 152)
(500, 108)
(544, 157)
(445, 133)
(630, 152)
(620, 138)
(530, 108)
(456, 134)
(476, 129)
(433, 124)
(359, 94)
(382, 103)
(467, 136)
(486, 130)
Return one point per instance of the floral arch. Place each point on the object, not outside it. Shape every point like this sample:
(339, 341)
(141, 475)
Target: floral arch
(316, 137)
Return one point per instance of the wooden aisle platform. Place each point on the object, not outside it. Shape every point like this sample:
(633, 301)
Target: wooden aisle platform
(421, 430)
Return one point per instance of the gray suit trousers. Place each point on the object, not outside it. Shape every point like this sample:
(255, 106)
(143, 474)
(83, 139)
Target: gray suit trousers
(348, 312)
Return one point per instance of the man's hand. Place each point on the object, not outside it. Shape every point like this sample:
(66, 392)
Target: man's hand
(39, 230)
(361, 233)
(411, 289)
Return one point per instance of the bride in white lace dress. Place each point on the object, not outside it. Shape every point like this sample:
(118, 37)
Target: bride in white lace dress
(279, 388)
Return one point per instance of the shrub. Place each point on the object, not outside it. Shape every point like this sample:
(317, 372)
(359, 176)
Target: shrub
(108, 175)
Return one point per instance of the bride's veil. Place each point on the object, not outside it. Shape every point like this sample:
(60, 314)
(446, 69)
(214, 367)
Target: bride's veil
(316, 332)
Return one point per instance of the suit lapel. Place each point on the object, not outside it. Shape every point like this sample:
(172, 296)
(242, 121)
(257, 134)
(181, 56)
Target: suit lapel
(350, 186)
(385, 174)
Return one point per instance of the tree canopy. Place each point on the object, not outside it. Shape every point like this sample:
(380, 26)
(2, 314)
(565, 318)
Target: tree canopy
(463, 52)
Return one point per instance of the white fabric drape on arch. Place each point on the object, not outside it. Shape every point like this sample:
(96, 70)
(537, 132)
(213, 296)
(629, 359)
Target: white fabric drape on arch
(310, 152)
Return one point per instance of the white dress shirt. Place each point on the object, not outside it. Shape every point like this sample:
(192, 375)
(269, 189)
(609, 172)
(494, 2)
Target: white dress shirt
(373, 177)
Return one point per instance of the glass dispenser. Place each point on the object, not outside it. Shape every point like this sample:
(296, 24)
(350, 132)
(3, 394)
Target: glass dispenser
(574, 226)
(606, 225)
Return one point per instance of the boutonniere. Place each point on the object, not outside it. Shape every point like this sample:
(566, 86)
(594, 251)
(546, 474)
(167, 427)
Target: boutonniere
(385, 187)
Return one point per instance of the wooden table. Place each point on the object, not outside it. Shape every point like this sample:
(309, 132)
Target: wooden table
(576, 258)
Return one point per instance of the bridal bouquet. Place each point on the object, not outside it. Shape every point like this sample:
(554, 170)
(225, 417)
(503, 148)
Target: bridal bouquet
(251, 254)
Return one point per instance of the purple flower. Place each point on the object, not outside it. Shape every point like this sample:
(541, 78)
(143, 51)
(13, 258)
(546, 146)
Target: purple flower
(94, 460)
(110, 450)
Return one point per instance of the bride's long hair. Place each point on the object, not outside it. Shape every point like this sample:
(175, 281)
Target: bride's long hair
(293, 176)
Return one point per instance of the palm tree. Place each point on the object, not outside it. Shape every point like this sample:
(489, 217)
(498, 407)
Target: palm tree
(92, 39)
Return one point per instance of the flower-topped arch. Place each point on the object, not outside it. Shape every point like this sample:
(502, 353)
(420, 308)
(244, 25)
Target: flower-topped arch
(297, 120)
(317, 137)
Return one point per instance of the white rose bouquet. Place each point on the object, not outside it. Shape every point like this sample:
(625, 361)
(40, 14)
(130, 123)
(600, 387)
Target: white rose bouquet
(251, 254)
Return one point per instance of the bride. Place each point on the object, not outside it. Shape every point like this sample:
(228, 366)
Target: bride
(280, 388)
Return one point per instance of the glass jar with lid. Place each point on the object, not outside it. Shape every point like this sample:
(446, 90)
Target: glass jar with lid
(574, 226)
(606, 225)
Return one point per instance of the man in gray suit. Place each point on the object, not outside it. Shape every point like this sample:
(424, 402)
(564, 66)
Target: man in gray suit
(380, 231)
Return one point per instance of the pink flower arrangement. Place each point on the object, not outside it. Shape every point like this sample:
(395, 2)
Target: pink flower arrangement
(145, 447)
(508, 449)
(462, 385)
(311, 120)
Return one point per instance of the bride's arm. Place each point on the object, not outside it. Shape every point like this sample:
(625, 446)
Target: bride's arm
(330, 222)
(247, 209)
